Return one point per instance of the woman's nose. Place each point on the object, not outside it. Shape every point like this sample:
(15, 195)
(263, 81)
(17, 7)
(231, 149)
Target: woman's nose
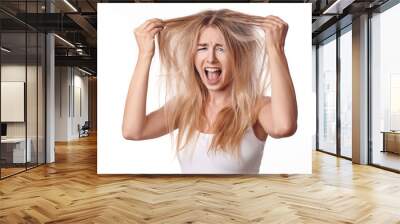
(211, 56)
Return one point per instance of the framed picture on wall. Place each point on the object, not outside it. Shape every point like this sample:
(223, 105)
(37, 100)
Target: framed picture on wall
(12, 101)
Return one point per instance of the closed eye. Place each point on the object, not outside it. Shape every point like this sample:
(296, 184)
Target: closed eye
(201, 49)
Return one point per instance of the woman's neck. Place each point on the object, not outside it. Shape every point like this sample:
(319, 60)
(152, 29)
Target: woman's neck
(219, 99)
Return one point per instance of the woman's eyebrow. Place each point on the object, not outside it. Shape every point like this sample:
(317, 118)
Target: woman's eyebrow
(205, 45)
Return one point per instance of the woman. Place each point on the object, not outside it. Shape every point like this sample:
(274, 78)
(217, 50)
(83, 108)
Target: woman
(214, 64)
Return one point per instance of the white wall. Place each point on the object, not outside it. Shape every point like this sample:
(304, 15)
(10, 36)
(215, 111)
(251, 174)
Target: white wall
(70, 83)
(62, 81)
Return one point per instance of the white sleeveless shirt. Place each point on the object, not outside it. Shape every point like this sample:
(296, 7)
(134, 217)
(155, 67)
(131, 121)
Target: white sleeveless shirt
(195, 158)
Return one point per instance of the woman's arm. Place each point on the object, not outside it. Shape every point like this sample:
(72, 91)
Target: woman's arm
(278, 115)
(136, 125)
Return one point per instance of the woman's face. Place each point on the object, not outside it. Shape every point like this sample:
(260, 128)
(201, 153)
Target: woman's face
(213, 60)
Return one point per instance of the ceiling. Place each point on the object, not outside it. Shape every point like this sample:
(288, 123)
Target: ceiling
(77, 26)
(76, 22)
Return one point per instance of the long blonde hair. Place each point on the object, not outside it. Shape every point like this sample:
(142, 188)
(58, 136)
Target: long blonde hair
(178, 44)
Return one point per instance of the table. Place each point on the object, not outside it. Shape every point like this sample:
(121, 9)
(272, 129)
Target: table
(16, 147)
(391, 141)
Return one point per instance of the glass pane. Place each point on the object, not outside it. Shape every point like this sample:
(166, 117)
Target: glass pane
(346, 94)
(41, 98)
(13, 86)
(31, 101)
(23, 88)
(386, 89)
(327, 97)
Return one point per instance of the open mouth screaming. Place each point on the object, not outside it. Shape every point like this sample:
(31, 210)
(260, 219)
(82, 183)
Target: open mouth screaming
(213, 74)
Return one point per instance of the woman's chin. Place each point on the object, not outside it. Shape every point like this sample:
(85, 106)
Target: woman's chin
(218, 87)
(213, 88)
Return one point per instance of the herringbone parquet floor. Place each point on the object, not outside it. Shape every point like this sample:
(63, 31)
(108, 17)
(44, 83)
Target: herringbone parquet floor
(70, 191)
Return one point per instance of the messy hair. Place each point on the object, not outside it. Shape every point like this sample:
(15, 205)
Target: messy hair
(178, 45)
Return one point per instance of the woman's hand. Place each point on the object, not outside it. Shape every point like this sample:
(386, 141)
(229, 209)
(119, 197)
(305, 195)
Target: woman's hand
(145, 34)
(275, 30)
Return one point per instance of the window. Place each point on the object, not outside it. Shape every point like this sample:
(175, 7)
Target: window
(327, 96)
(22, 65)
(346, 92)
(385, 89)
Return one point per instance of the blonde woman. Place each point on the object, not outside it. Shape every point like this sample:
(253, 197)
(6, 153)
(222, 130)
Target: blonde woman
(217, 65)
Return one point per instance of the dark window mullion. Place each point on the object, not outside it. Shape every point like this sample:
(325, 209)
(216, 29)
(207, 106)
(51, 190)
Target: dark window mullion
(369, 96)
(338, 73)
(44, 70)
(0, 99)
(26, 87)
(317, 94)
(37, 91)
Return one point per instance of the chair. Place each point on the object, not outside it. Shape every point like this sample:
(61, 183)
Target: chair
(84, 130)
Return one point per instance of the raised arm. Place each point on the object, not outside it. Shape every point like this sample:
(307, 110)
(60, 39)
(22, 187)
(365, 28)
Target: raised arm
(278, 114)
(136, 124)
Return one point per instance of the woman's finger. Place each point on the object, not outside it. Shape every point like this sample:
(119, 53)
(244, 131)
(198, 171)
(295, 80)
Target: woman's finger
(154, 25)
(257, 20)
(279, 22)
(276, 18)
(155, 31)
(150, 22)
(267, 27)
(274, 22)
(270, 29)
(146, 23)
(270, 23)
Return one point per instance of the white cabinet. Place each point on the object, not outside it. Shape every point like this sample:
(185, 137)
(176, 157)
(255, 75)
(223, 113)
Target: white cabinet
(18, 149)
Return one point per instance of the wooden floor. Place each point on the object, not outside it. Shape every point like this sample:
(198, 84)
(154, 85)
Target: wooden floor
(70, 191)
(10, 171)
(387, 159)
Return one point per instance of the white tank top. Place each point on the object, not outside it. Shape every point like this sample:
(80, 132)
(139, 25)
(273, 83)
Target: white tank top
(195, 158)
